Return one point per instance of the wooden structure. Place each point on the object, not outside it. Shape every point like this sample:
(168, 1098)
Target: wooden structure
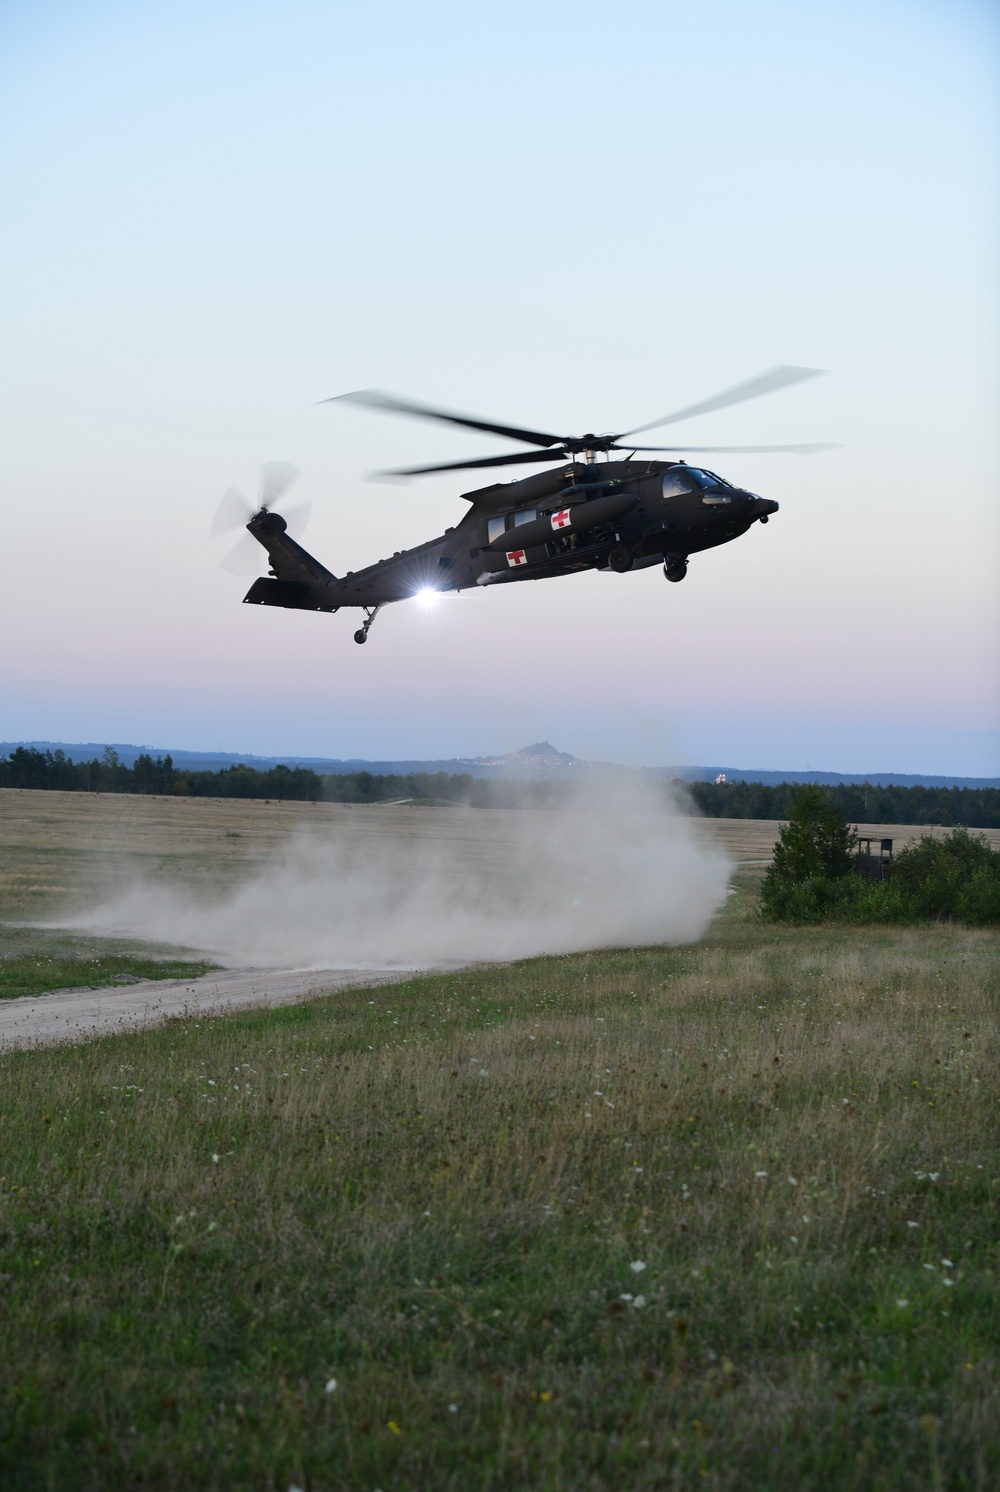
(874, 864)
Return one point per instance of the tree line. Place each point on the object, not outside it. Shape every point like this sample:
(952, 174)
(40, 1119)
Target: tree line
(53, 770)
(865, 803)
(448, 788)
(860, 803)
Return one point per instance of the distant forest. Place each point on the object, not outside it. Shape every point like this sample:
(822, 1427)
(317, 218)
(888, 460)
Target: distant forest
(860, 803)
(53, 770)
(976, 808)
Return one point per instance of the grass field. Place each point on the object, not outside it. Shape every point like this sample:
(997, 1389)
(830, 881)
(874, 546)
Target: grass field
(34, 961)
(723, 1216)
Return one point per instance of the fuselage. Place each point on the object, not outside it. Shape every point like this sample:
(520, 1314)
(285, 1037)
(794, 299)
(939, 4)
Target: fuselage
(583, 516)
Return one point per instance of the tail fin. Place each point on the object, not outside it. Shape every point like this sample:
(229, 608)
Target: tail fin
(289, 561)
(297, 579)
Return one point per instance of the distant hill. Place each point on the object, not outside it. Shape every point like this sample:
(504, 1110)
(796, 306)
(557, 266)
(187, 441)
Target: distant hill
(540, 759)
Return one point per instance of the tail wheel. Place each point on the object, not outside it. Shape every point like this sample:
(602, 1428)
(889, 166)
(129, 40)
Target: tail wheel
(361, 635)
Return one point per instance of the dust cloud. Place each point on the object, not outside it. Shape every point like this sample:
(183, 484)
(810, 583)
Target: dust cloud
(618, 865)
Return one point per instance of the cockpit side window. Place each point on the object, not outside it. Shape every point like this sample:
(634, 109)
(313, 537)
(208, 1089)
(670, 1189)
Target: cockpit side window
(677, 481)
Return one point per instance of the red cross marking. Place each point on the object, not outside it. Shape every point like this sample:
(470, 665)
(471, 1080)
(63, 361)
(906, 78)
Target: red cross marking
(562, 519)
(516, 557)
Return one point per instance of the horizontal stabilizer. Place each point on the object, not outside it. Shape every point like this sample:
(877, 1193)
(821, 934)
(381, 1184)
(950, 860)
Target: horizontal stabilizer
(295, 594)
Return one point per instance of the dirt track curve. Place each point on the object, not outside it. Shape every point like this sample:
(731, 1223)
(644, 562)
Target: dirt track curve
(76, 1015)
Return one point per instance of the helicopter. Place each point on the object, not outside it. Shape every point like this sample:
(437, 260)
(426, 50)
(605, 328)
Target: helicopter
(617, 514)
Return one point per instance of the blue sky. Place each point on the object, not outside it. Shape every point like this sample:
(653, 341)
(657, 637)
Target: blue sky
(574, 216)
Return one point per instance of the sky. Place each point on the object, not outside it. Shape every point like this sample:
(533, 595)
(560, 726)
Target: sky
(565, 215)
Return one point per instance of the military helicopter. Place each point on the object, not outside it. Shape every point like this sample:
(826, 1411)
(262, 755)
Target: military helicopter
(617, 514)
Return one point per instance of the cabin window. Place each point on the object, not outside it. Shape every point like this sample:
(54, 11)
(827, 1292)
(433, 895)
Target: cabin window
(494, 528)
(526, 515)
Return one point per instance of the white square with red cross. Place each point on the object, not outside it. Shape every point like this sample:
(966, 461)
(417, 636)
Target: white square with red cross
(516, 557)
(562, 519)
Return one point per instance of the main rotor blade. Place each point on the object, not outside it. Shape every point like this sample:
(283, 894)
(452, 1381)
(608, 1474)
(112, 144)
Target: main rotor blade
(389, 404)
(765, 383)
(275, 478)
(516, 459)
(799, 450)
(234, 511)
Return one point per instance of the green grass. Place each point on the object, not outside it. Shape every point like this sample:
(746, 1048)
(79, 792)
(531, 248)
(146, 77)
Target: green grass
(36, 961)
(435, 1194)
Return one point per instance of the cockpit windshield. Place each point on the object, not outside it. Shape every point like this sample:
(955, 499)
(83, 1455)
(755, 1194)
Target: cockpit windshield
(705, 478)
(689, 478)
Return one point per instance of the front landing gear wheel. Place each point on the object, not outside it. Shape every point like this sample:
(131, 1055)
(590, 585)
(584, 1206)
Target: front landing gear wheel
(361, 635)
(675, 569)
(620, 560)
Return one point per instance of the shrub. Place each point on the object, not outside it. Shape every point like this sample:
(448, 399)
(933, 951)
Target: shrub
(817, 842)
(954, 878)
(957, 877)
(813, 854)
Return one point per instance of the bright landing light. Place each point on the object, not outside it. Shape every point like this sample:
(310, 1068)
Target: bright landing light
(428, 597)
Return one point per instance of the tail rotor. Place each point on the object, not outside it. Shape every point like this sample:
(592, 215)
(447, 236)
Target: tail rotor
(235, 511)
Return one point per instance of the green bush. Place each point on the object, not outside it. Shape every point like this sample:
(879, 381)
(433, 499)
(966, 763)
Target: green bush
(816, 842)
(849, 898)
(956, 878)
(979, 905)
(812, 857)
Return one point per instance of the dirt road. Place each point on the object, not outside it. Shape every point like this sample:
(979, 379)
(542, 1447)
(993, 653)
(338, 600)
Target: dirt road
(75, 1015)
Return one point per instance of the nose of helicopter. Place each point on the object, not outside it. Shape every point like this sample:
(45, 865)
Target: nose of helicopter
(762, 507)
